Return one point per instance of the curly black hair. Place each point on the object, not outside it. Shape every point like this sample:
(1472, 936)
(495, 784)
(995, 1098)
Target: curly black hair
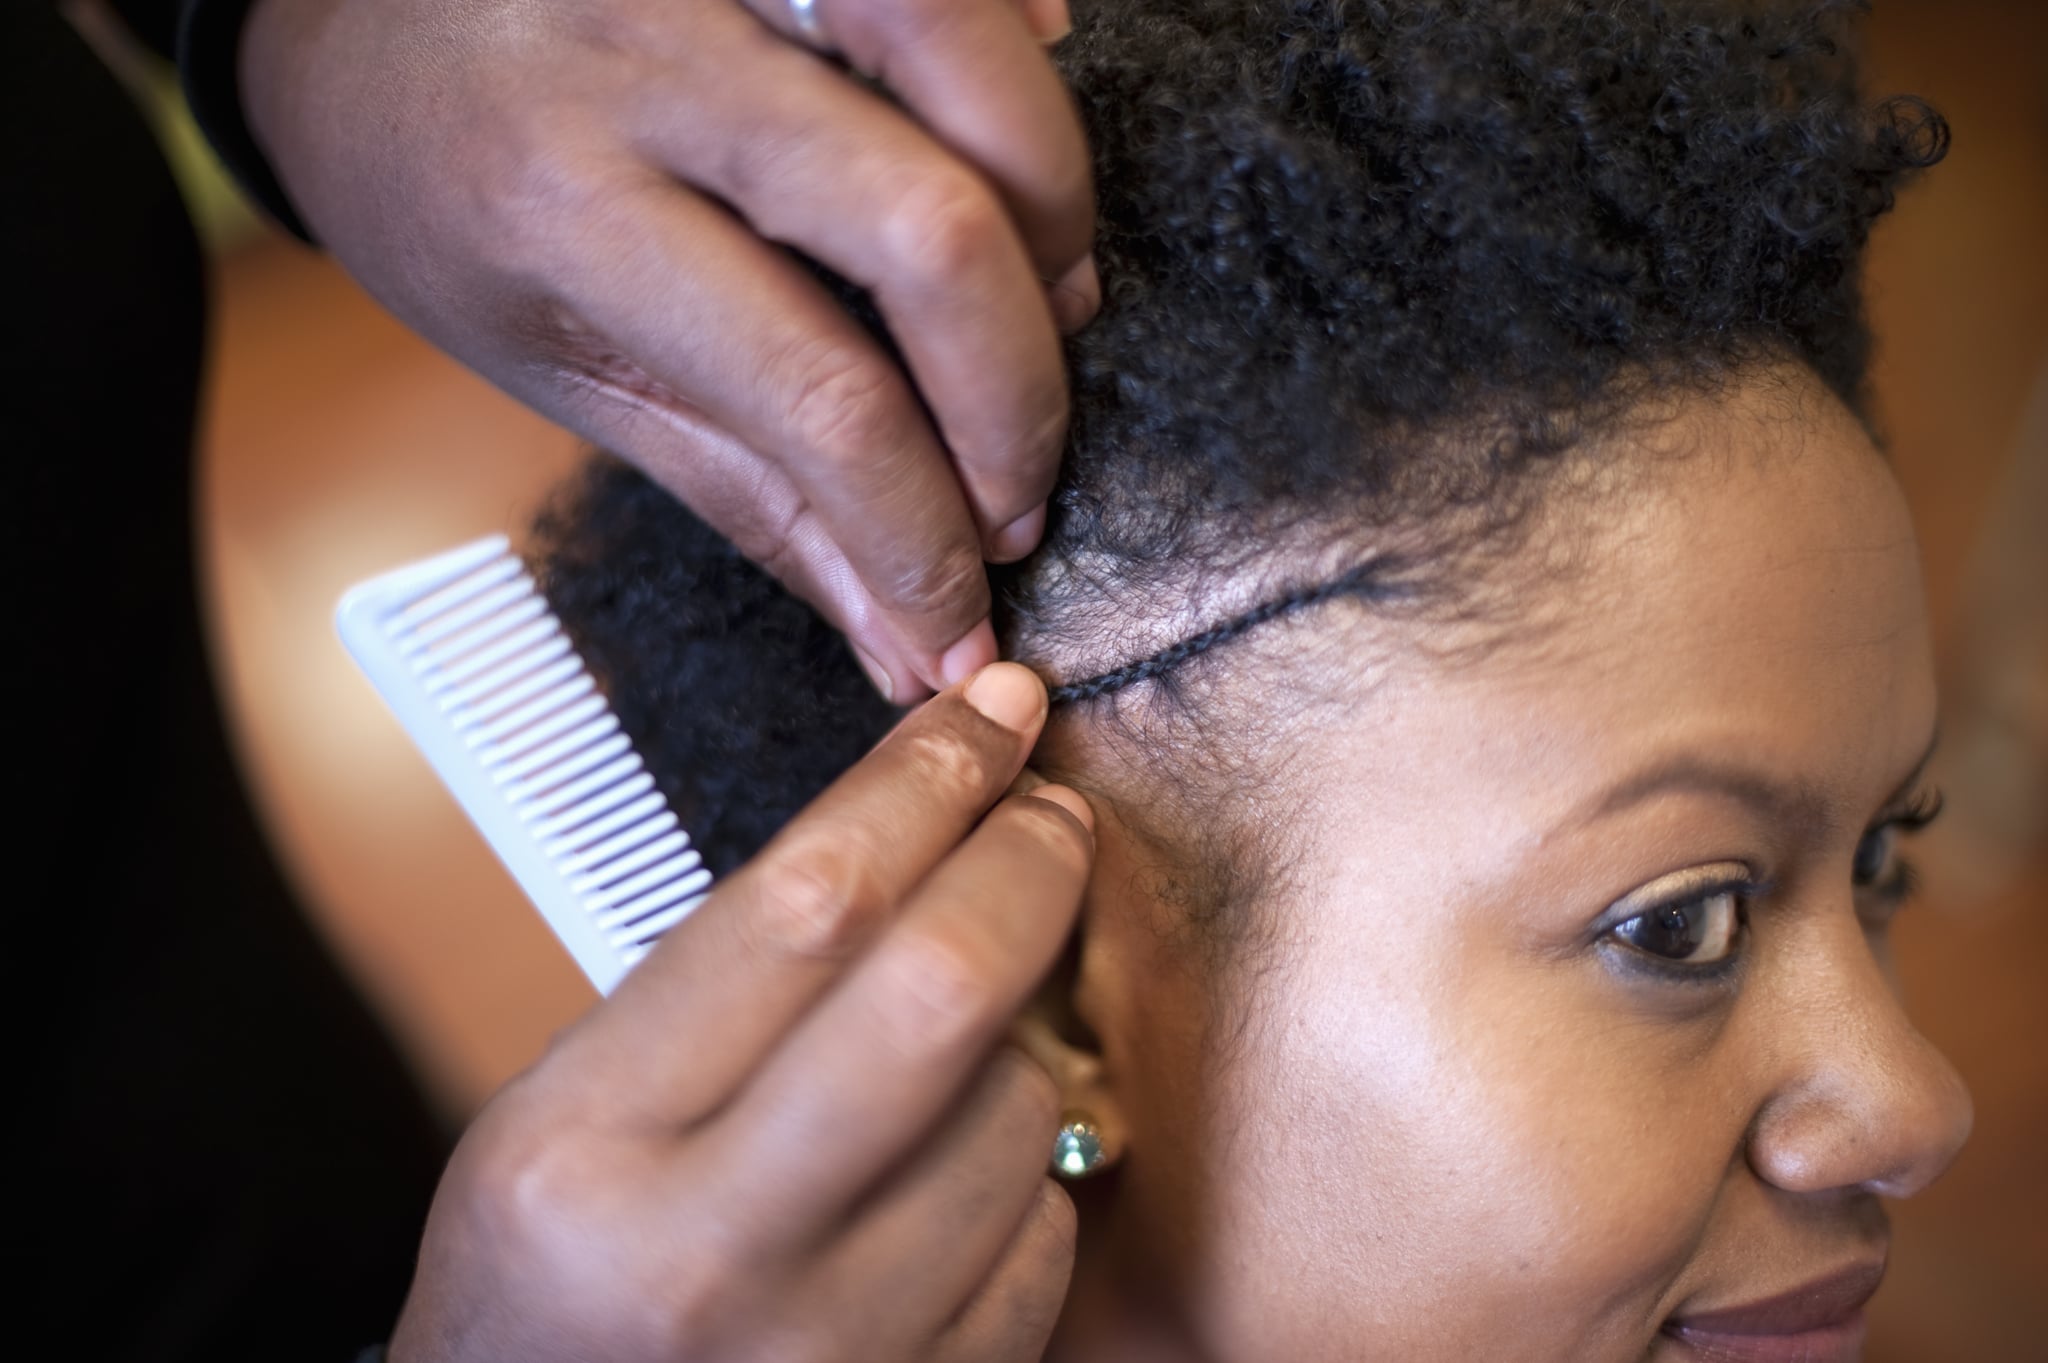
(1366, 264)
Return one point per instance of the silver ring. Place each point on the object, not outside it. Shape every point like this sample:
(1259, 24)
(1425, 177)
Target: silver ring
(804, 14)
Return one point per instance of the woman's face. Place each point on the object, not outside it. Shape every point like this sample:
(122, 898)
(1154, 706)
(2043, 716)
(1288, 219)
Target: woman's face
(1569, 1034)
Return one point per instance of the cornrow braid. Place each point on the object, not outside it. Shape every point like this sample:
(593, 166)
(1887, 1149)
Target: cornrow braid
(1375, 580)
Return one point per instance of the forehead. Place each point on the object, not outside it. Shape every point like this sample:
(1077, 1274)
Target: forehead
(1750, 590)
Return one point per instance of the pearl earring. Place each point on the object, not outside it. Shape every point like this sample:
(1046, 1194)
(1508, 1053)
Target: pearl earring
(1077, 1150)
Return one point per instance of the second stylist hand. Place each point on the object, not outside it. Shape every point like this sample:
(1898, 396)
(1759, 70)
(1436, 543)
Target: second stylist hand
(587, 203)
(795, 1130)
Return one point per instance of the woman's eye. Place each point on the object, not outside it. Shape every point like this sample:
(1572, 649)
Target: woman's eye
(1879, 865)
(1700, 932)
(1877, 856)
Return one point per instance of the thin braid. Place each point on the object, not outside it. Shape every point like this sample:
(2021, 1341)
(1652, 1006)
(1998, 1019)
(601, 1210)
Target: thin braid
(1370, 580)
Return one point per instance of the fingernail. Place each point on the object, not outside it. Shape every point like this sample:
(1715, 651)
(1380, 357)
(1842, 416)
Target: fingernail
(876, 673)
(1019, 537)
(975, 650)
(1049, 20)
(1069, 800)
(1076, 296)
(1009, 694)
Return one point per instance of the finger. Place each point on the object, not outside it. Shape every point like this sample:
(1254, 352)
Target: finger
(728, 983)
(1013, 1315)
(976, 75)
(836, 172)
(723, 324)
(753, 503)
(924, 1245)
(1048, 20)
(867, 1073)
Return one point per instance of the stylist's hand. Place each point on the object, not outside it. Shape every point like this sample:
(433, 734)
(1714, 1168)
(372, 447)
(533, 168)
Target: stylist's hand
(793, 1133)
(580, 199)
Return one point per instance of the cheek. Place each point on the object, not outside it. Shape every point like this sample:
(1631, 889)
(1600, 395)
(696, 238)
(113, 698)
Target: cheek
(1429, 1164)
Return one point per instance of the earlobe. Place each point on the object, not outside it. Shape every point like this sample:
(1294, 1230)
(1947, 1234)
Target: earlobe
(1092, 1135)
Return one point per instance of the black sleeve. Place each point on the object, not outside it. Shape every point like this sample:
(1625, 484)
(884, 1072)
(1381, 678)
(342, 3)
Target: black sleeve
(153, 21)
(208, 41)
(218, 1130)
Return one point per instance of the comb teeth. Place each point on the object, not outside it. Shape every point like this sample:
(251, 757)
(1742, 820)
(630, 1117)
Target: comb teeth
(465, 651)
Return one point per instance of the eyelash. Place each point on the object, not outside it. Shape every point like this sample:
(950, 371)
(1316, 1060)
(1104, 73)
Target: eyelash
(1745, 892)
(1923, 809)
(1898, 888)
(1892, 893)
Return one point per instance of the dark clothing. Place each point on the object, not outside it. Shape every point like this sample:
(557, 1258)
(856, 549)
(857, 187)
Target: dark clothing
(208, 41)
(226, 1158)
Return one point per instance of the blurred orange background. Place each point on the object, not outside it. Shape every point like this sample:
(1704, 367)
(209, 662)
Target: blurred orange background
(337, 444)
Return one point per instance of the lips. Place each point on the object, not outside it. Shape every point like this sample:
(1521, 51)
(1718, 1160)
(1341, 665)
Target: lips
(1820, 1322)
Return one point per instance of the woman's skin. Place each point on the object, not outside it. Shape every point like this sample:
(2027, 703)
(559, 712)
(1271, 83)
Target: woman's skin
(1428, 1105)
(1424, 1101)
(1432, 1107)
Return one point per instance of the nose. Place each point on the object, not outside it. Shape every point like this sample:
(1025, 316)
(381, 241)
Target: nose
(1869, 1103)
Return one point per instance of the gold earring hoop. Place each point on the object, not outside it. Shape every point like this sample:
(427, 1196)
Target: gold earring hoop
(1077, 1150)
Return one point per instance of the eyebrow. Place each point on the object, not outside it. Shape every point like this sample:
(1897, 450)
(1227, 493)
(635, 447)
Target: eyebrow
(1797, 803)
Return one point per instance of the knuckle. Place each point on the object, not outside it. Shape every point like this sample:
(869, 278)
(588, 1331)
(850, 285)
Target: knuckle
(814, 905)
(712, 1277)
(847, 407)
(1016, 463)
(765, 530)
(525, 1183)
(935, 992)
(947, 763)
(688, 1314)
(557, 1202)
(945, 224)
(949, 585)
(1045, 429)
(524, 191)
(1041, 432)
(622, 33)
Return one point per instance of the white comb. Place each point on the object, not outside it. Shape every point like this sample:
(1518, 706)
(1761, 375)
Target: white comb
(464, 650)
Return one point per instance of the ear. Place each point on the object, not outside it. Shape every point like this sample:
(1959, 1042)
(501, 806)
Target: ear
(1050, 1031)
